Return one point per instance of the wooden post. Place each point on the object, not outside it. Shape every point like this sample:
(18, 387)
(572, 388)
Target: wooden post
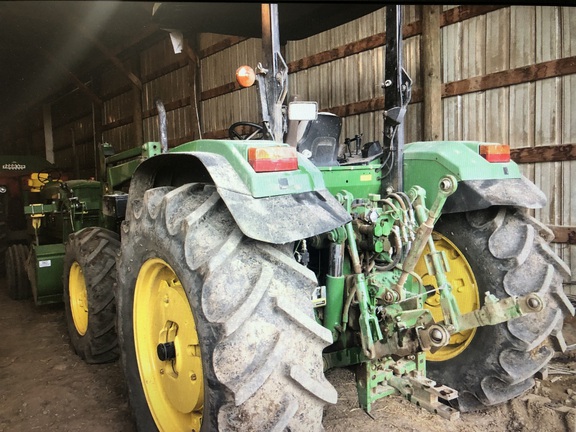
(97, 134)
(48, 137)
(137, 113)
(431, 73)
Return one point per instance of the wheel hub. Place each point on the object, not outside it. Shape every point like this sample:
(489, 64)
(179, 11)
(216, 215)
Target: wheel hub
(464, 289)
(167, 349)
(78, 297)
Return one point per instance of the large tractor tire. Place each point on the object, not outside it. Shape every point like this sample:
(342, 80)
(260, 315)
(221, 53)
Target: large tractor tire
(89, 286)
(19, 287)
(217, 331)
(506, 252)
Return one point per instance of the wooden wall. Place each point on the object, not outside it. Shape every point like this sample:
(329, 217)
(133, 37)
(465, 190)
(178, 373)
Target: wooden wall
(507, 74)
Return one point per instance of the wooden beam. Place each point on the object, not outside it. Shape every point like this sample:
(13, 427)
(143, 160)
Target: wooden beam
(365, 44)
(137, 107)
(103, 49)
(563, 234)
(540, 71)
(48, 132)
(552, 153)
(414, 28)
(71, 76)
(431, 73)
(220, 90)
(463, 13)
(221, 45)
(120, 122)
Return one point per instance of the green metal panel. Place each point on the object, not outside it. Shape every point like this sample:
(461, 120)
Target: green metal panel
(425, 163)
(119, 174)
(89, 192)
(359, 180)
(48, 270)
(306, 178)
(121, 166)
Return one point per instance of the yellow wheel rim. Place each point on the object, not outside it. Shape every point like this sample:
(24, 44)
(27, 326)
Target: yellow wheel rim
(464, 288)
(173, 384)
(78, 298)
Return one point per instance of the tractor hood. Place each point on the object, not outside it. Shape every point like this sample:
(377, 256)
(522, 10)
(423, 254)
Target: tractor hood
(297, 20)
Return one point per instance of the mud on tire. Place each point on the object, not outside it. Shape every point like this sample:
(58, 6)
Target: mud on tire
(95, 251)
(509, 254)
(261, 347)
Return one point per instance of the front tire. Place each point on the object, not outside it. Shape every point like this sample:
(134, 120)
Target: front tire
(89, 303)
(19, 287)
(230, 341)
(508, 256)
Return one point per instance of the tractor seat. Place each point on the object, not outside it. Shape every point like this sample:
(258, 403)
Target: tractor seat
(318, 139)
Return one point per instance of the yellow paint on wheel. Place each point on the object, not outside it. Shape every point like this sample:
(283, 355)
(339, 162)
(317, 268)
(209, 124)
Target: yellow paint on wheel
(78, 298)
(174, 387)
(464, 288)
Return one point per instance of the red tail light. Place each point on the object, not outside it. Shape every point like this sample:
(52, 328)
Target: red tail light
(270, 159)
(495, 152)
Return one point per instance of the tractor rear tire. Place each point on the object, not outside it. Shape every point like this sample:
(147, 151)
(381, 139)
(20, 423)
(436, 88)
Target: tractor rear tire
(89, 304)
(246, 351)
(509, 254)
(19, 287)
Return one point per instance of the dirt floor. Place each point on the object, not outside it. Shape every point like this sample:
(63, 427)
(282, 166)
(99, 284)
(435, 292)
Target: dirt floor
(45, 387)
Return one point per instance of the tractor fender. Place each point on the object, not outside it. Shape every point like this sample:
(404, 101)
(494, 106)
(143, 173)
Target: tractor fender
(481, 184)
(480, 194)
(277, 219)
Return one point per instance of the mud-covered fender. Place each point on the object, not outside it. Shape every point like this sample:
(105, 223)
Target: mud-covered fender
(277, 219)
(480, 194)
(481, 184)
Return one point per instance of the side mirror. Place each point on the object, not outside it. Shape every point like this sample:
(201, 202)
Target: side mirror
(302, 110)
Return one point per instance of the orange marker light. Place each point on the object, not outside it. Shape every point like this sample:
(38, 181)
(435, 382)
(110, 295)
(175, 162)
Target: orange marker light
(245, 76)
(495, 152)
(272, 159)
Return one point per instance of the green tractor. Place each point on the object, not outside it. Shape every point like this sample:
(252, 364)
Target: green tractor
(68, 251)
(250, 267)
(17, 189)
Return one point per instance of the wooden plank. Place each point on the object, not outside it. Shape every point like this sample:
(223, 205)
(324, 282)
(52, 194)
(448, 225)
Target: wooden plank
(521, 115)
(522, 24)
(220, 91)
(182, 62)
(370, 105)
(540, 71)
(431, 70)
(85, 89)
(552, 153)
(48, 135)
(463, 13)
(169, 106)
(115, 124)
(221, 46)
(564, 234)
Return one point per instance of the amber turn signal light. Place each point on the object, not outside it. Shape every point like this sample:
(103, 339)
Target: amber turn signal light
(245, 76)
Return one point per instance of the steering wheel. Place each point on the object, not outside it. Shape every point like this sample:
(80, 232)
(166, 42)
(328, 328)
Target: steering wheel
(51, 175)
(238, 131)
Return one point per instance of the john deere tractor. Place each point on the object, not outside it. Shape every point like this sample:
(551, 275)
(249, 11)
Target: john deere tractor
(68, 253)
(250, 267)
